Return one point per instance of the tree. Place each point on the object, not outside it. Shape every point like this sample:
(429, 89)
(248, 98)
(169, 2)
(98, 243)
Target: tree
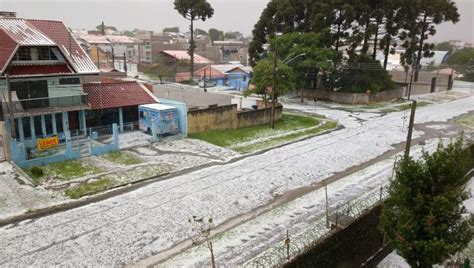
(316, 56)
(193, 10)
(419, 22)
(263, 78)
(232, 35)
(201, 32)
(129, 33)
(463, 62)
(171, 30)
(106, 27)
(216, 35)
(423, 216)
(392, 14)
(203, 228)
(361, 74)
(444, 46)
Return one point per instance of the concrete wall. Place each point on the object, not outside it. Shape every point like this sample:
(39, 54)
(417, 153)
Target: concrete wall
(227, 117)
(218, 118)
(423, 85)
(257, 117)
(192, 97)
(355, 98)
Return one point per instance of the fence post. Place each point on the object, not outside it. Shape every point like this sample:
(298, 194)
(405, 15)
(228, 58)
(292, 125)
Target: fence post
(115, 132)
(67, 134)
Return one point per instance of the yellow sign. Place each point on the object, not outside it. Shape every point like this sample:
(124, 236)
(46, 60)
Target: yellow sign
(48, 143)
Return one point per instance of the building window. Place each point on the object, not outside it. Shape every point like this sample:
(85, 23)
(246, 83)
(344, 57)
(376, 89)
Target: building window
(69, 81)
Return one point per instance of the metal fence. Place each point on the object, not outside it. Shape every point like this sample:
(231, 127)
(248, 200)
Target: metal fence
(318, 231)
(28, 105)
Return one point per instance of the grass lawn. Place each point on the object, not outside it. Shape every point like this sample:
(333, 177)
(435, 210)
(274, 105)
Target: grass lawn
(64, 171)
(89, 188)
(285, 139)
(307, 125)
(122, 158)
(467, 121)
(404, 107)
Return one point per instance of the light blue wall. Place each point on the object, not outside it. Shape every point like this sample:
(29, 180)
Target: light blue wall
(182, 112)
(54, 88)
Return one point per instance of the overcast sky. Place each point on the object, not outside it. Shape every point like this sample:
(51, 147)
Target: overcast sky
(235, 15)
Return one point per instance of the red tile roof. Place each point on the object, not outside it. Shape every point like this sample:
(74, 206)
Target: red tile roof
(18, 70)
(119, 94)
(7, 49)
(16, 32)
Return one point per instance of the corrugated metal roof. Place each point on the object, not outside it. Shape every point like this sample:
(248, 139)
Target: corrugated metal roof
(184, 55)
(24, 33)
(57, 31)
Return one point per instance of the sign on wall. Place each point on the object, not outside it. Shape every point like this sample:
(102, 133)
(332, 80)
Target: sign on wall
(48, 143)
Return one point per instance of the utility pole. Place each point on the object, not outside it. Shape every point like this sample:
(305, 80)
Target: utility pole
(125, 62)
(113, 57)
(205, 89)
(10, 105)
(327, 206)
(410, 129)
(274, 87)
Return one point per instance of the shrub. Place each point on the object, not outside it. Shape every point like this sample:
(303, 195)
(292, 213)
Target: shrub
(37, 172)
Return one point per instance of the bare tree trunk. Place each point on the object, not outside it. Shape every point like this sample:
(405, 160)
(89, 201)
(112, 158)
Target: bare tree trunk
(420, 49)
(365, 46)
(213, 260)
(376, 40)
(387, 51)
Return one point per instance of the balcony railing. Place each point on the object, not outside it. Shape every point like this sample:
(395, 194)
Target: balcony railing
(40, 104)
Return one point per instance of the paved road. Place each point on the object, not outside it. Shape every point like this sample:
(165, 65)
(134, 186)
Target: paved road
(139, 224)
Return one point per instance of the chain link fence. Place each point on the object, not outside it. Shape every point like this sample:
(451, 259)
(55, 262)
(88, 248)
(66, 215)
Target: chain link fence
(319, 230)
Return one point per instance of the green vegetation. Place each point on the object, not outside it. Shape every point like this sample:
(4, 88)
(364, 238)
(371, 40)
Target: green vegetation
(347, 29)
(467, 121)
(122, 158)
(284, 132)
(64, 171)
(285, 139)
(89, 188)
(424, 218)
(463, 61)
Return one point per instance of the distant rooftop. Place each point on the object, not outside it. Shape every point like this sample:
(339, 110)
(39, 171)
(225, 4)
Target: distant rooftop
(184, 55)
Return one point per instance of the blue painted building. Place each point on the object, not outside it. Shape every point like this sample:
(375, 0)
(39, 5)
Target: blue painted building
(235, 76)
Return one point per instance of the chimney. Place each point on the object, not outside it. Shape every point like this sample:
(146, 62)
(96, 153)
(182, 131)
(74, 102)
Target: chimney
(7, 14)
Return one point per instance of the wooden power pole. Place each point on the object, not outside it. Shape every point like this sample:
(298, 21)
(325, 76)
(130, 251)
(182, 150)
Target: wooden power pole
(410, 129)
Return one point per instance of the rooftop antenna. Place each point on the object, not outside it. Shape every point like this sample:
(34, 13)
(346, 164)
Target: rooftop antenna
(103, 28)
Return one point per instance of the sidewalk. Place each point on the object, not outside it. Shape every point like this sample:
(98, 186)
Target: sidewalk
(17, 197)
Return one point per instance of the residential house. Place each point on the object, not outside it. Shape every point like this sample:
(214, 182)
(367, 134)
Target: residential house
(45, 69)
(118, 45)
(234, 75)
(50, 88)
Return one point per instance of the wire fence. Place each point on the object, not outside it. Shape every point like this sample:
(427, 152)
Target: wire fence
(319, 230)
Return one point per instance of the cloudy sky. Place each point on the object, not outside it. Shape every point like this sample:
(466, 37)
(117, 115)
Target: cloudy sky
(238, 15)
